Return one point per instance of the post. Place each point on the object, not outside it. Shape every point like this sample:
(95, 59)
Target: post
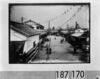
(22, 18)
(49, 26)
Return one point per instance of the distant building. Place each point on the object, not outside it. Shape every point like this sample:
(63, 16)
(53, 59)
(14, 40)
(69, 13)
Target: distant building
(34, 24)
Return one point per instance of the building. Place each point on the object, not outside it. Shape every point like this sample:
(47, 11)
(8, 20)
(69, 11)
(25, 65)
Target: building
(23, 38)
(34, 24)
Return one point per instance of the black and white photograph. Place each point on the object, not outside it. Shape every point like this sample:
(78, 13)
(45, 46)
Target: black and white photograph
(49, 33)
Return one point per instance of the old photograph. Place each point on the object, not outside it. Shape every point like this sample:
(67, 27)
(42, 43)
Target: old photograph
(55, 33)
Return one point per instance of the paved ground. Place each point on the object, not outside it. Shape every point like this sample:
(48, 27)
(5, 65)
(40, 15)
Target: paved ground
(61, 52)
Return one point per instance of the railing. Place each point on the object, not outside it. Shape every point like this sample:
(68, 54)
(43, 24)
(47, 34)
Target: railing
(31, 54)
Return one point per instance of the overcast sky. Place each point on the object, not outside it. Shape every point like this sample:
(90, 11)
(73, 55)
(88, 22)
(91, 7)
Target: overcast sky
(57, 15)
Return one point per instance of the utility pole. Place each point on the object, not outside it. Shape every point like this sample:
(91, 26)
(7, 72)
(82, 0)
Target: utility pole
(22, 18)
(49, 25)
(49, 49)
(49, 30)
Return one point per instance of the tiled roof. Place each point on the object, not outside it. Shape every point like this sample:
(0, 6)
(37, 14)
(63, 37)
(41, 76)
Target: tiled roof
(37, 24)
(24, 29)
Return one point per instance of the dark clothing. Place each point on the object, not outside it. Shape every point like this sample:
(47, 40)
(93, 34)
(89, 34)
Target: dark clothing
(48, 51)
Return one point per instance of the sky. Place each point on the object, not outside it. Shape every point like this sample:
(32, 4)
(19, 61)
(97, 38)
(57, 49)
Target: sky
(56, 14)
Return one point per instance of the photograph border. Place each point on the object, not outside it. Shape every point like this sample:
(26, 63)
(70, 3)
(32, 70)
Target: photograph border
(50, 4)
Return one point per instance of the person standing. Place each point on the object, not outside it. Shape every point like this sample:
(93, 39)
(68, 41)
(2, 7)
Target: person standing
(48, 52)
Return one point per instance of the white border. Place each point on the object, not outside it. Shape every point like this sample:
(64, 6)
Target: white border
(95, 40)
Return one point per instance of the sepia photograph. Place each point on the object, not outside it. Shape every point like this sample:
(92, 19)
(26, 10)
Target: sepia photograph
(49, 33)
